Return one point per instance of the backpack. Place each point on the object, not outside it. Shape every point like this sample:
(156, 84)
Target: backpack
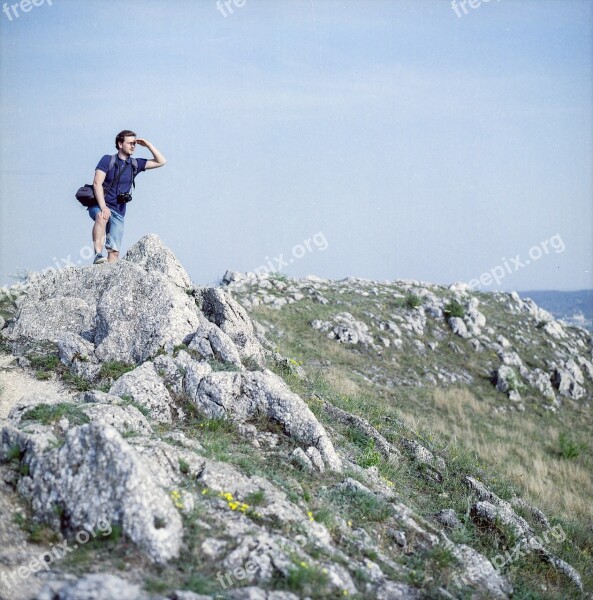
(86, 194)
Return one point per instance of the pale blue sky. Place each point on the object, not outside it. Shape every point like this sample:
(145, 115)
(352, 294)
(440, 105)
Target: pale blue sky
(416, 144)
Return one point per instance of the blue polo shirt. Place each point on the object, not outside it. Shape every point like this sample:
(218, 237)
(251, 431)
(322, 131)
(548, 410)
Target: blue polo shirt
(125, 180)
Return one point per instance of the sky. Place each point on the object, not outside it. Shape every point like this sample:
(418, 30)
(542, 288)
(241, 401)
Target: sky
(381, 139)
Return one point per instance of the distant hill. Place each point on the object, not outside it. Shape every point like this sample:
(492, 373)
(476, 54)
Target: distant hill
(574, 308)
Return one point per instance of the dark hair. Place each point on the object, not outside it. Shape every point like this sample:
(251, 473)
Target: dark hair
(121, 135)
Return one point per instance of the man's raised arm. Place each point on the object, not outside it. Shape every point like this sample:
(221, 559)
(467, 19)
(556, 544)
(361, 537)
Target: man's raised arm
(157, 160)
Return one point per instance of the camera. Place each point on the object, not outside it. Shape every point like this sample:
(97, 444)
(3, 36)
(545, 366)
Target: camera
(124, 198)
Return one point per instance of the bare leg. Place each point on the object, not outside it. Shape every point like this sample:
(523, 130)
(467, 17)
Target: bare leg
(99, 233)
(112, 256)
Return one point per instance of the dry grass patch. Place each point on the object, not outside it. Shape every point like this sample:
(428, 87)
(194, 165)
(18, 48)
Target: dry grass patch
(517, 445)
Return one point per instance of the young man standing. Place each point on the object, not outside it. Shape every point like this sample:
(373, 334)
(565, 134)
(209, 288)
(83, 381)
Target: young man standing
(113, 189)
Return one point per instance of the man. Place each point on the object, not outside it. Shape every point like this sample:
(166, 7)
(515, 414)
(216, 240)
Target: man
(113, 189)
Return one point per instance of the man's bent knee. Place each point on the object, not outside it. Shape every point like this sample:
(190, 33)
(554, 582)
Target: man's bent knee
(100, 220)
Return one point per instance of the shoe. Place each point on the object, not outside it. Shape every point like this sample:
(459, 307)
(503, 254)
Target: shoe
(99, 259)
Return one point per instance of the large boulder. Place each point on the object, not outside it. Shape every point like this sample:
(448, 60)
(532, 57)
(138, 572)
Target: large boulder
(95, 476)
(128, 311)
(145, 387)
(140, 313)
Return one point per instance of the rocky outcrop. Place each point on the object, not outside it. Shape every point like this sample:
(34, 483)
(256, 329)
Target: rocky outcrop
(95, 476)
(243, 396)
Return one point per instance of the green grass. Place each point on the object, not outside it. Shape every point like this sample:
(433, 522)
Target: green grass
(568, 448)
(463, 429)
(38, 533)
(49, 414)
(454, 308)
(114, 369)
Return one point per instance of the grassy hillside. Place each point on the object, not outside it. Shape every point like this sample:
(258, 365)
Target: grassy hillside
(522, 448)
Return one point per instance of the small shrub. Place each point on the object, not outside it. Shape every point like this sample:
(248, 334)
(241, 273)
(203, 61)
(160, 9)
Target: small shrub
(412, 301)
(306, 578)
(257, 498)
(45, 362)
(568, 448)
(370, 456)
(454, 309)
(218, 365)
(39, 533)
(251, 364)
(183, 466)
(81, 384)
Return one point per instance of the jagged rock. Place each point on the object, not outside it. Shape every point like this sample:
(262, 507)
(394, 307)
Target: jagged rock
(567, 379)
(72, 347)
(126, 419)
(145, 387)
(315, 458)
(140, 313)
(50, 318)
(169, 464)
(95, 457)
(96, 586)
(506, 379)
(536, 513)
(458, 327)
(474, 319)
(477, 572)
(222, 310)
(398, 536)
(587, 366)
(232, 276)
(170, 373)
(448, 518)
(152, 255)
(424, 456)
(129, 313)
(299, 458)
(240, 396)
(565, 568)
(209, 341)
(390, 590)
(501, 517)
(223, 478)
(381, 444)
(554, 329)
(541, 382)
(345, 328)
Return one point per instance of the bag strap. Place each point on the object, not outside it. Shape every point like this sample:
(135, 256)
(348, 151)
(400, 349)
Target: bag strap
(118, 175)
(134, 172)
(111, 164)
